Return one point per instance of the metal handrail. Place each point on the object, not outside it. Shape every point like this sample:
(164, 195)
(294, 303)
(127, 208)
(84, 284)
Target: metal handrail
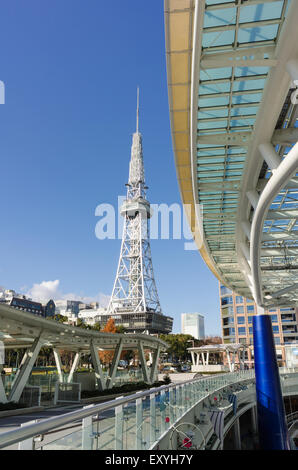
(42, 427)
(292, 417)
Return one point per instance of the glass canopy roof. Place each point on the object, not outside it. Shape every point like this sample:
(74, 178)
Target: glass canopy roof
(236, 44)
(228, 102)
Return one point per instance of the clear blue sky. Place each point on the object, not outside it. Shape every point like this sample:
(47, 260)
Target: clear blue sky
(71, 68)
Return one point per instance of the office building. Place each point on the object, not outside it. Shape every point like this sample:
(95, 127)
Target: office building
(193, 324)
(236, 323)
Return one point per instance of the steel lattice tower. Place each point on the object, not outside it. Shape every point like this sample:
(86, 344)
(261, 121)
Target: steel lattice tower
(134, 292)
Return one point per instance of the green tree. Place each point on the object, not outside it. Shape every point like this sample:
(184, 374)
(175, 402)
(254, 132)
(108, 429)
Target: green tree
(96, 326)
(82, 324)
(120, 329)
(178, 345)
(59, 318)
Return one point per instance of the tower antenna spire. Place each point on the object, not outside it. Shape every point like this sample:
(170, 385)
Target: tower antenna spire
(138, 92)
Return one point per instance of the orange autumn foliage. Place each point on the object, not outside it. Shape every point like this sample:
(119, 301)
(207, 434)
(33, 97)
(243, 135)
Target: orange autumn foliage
(107, 356)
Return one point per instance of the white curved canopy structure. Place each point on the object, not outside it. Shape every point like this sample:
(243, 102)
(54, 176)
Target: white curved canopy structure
(21, 329)
(232, 81)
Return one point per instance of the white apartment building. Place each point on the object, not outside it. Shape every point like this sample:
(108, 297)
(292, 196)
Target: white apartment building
(91, 316)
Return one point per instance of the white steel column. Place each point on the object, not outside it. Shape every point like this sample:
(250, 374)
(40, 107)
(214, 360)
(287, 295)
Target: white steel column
(233, 361)
(101, 380)
(154, 365)
(58, 362)
(115, 363)
(74, 367)
(203, 359)
(24, 371)
(246, 226)
(143, 361)
(229, 361)
(253, 197)
(192, 357)
(270, 156)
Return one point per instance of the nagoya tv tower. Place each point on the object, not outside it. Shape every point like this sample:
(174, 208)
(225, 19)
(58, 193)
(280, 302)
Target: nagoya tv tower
(134, 302)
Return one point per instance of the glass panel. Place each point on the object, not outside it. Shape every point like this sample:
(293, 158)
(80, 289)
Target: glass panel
(105, 426)
(71, 441)
(129, 426)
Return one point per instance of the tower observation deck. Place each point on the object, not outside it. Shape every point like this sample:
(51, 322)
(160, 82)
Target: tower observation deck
(134, 302)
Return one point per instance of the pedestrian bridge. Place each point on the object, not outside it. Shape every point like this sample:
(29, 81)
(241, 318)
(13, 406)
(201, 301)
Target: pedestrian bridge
(195, 414)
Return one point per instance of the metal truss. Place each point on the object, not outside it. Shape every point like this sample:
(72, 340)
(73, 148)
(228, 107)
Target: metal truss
(134, 289)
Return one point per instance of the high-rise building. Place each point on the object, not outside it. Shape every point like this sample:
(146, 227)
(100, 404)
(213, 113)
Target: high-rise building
(236, 322)
(134, 300)
(193, 324)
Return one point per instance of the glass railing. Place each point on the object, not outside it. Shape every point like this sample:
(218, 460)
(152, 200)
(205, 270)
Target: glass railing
(140, 420)
(135, 422)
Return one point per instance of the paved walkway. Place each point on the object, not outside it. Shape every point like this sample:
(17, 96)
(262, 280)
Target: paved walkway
(178, 377)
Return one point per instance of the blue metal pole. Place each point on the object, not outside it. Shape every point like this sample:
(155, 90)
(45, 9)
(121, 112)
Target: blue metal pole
(273, 433)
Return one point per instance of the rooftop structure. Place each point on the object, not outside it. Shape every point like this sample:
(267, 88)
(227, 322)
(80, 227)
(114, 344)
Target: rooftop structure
(217, 357)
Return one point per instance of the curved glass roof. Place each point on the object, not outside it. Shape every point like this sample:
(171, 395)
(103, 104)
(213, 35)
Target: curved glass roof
(236, 44)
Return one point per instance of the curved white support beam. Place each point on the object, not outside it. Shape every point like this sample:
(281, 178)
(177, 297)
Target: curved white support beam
(58, 362)
(153, 373)
(25, 369)
(115, 362)
(101, 380)
(253, 197)
(74, 367)
(276, 183)
(245, 250)
(272, 159)
(246, 226)
(143, 362)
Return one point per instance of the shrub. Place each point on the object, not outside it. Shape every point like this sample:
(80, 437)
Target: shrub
(12, 406)
(167, 379)
(125, 388)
